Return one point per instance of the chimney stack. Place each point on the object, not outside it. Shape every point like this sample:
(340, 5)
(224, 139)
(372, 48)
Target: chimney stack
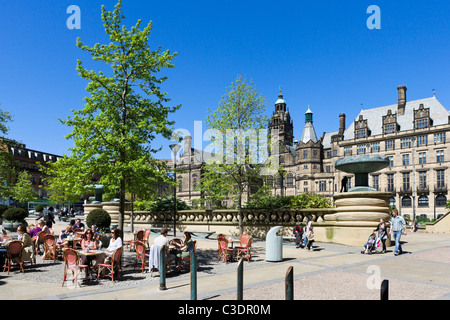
(401, 100)
(341, 123)
(187, 146)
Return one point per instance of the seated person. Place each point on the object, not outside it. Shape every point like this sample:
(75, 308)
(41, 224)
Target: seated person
(78, 225)
(95, 231)
(64, 234)
(414, 226)
(163, 241)
(184, 250)
(115, 243)
(42, 226)
(28, 246)
(88, 243)
(369, 244)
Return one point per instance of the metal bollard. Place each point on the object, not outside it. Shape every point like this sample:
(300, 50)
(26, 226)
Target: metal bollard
(193, 276)
(240, 280)
(384, 290)
(289, 284)
(162, 268)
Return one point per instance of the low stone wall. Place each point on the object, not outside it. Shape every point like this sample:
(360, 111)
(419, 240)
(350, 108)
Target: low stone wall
(255, 222)
(441, 225)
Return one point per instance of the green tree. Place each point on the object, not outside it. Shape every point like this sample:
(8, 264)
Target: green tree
(124, 113)
(236, 124)
(8, 165)
(23, 190)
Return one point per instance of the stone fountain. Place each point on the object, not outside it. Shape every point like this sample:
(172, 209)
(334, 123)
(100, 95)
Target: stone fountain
(359, 210)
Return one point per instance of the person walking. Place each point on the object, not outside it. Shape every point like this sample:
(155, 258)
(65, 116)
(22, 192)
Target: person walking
(298, 232)
(398, 227)
(307, 230)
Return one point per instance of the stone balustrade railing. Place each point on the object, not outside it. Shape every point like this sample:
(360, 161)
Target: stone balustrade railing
(230, 216)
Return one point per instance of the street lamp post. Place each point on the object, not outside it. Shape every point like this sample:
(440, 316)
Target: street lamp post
(175, 148)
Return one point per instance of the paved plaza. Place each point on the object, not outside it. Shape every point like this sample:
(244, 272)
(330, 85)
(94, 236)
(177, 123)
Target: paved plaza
(329, 272)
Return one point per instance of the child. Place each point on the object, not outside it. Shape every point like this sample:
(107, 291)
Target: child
(369, 244)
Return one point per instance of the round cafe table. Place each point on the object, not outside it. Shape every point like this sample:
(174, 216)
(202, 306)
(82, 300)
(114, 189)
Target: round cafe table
(90, 255)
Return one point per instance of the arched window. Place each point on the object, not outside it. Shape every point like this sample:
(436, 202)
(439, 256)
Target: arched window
(289, 180)
(422, 201)
(392, 201)
(441, 200)
(406, 201)
(194, 181)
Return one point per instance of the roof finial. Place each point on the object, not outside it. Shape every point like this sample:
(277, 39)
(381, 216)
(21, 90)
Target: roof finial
(434, 93)
(361, 106)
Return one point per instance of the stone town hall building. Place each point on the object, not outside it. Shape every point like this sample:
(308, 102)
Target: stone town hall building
(412, 134)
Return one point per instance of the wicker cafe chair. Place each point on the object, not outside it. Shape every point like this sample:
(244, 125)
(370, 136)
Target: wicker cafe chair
(113, 267)
(244, 250)
(140, 254)
(49, 248)
(146, 237)
(13, 254)
(39, 241)
(72, 263)
(225, 252)
(185, 260)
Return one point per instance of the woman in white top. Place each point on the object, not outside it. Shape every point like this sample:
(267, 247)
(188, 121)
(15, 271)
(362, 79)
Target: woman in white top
(114, 243)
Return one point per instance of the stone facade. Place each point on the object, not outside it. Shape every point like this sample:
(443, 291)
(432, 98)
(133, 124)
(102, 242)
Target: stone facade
(411, 133)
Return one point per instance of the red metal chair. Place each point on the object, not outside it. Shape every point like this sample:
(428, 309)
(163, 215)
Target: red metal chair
(225, 252)
(244, 250)
(72, 263)
(138, 236)
(140, 254)
(49, 248)
(185, 260)
(113, 267)
(13, 254)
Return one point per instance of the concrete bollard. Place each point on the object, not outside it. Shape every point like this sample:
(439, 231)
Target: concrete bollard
(193, 266)
(289, 284)
(384, 290)
(240, 280)
(162, 268)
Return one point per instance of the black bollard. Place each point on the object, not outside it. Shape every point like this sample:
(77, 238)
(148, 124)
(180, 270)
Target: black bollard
(289, 284)
(384, 290)
(193, 276)
(240, 280)
(162, 268)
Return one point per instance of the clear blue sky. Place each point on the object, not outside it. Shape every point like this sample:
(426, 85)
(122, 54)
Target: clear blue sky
(320, 52)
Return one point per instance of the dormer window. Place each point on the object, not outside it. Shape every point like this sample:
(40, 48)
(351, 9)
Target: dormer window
(422, 117)
(390, 122)
(361, 128)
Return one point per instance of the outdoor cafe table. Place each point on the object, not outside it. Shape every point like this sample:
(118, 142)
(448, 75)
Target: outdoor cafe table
(90, 254)
(73, 240)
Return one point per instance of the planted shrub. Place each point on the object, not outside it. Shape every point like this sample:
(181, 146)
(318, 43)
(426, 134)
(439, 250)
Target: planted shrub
(166, 204)
(39, 208)
(15, 214)
(100, 218)
(3, 208)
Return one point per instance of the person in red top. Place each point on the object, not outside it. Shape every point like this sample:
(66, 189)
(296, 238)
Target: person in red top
(298, 232)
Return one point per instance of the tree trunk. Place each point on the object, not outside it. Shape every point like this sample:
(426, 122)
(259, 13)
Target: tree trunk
(122, 205)
(241, 226)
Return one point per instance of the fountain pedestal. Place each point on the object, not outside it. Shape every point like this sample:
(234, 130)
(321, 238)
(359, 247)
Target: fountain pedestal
(358, 211)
